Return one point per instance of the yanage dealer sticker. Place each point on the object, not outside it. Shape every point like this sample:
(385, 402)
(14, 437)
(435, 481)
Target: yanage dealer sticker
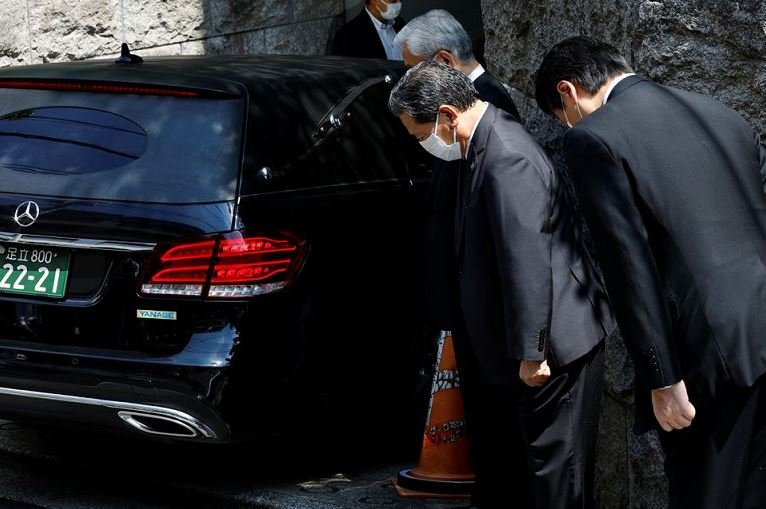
(155, 315)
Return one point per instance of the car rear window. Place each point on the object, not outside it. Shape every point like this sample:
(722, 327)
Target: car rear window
(120, 147)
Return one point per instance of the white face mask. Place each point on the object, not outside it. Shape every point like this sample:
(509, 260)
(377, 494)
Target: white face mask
(392, 11)
(436, 147)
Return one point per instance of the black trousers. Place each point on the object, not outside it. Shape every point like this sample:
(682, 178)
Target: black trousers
(533, 447)
(498, 448)
(719, 462)
(560, 424)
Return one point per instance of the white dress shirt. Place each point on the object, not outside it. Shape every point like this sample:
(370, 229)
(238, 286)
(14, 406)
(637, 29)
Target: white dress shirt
(474, 75)
(386, 33)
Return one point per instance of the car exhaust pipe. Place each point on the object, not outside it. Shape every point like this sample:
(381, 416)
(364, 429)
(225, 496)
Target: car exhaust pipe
(149, 419)
(160, 425)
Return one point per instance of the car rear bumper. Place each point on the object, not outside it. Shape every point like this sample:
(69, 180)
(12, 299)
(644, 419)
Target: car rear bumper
(112, 405)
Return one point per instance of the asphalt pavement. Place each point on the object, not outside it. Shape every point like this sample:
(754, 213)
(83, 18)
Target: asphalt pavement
(54, 469)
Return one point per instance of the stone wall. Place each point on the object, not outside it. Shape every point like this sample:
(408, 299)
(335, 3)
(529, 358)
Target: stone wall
(38, 31)
(715, 47)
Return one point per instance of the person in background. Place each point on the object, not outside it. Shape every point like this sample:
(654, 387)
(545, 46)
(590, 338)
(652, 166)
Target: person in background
(671, 183)
(531, 314)
(371, 34)
(439, 36)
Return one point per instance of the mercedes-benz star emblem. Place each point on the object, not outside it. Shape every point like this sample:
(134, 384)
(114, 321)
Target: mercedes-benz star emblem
(26, 213)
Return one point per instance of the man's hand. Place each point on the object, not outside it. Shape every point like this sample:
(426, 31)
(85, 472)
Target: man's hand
(672, 407)
(534, 373)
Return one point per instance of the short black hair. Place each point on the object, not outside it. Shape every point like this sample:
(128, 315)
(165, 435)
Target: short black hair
(582, 60)
(427, 86)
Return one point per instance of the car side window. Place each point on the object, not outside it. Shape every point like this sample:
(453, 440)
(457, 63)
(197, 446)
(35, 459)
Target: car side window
(369, 145)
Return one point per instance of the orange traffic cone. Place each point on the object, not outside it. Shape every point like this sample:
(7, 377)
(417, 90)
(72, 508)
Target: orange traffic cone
(444, 469)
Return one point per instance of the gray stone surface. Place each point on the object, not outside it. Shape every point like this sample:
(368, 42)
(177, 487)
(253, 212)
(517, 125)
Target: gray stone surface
(158, 22)
(14, 46)
(61, 30)
(710, 46)
(309, 38)
(647, 486)
(318, 9)
(235, 15)
(243, 43)
(612, 471)
(715, 48)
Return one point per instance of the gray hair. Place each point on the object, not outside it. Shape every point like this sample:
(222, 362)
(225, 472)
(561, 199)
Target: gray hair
(436, 30)
(427, 86)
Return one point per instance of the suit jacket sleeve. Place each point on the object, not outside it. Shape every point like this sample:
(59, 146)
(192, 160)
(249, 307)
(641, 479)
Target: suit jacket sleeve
(629, 267)
(518, 208)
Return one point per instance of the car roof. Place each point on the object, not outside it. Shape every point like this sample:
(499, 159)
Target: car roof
(227, 74)
(286, 98)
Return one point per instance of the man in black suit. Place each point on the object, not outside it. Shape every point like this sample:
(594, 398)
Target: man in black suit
(671, 183)
(439, 36)
(371, 34)
(530, 305)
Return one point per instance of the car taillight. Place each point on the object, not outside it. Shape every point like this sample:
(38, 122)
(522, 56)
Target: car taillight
(111, 88)
(232, 265)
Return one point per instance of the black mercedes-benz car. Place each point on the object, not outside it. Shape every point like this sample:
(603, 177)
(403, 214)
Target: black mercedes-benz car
(201, 248)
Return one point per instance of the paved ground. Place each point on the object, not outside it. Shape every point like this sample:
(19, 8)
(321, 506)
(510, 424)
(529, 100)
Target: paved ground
(56, 470)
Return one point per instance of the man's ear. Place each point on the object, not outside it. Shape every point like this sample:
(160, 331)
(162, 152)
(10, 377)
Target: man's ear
(450, 113)
(568, 89)
(445, 57)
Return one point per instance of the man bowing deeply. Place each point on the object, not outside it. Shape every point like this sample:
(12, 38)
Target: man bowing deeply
(531, 308)
(671, 183)
(437, 35)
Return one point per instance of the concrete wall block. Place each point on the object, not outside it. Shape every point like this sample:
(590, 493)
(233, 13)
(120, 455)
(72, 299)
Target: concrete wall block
(227, 16)
(647, 484)
(613, 465)
(619, 376)
(313, 9)
(194, 47)
(62, 30)
(14, 44)
(309, 38)
(518, 32)
(242, 43)
(715, 49)
(151, 23)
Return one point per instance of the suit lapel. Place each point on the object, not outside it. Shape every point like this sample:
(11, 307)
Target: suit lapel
(469, 179)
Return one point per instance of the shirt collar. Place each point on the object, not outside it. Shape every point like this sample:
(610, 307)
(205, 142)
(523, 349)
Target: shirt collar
(375, 21)
(473, 76)
(614, 84)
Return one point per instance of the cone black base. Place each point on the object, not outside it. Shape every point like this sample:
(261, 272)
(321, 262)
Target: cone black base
(408, 485)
